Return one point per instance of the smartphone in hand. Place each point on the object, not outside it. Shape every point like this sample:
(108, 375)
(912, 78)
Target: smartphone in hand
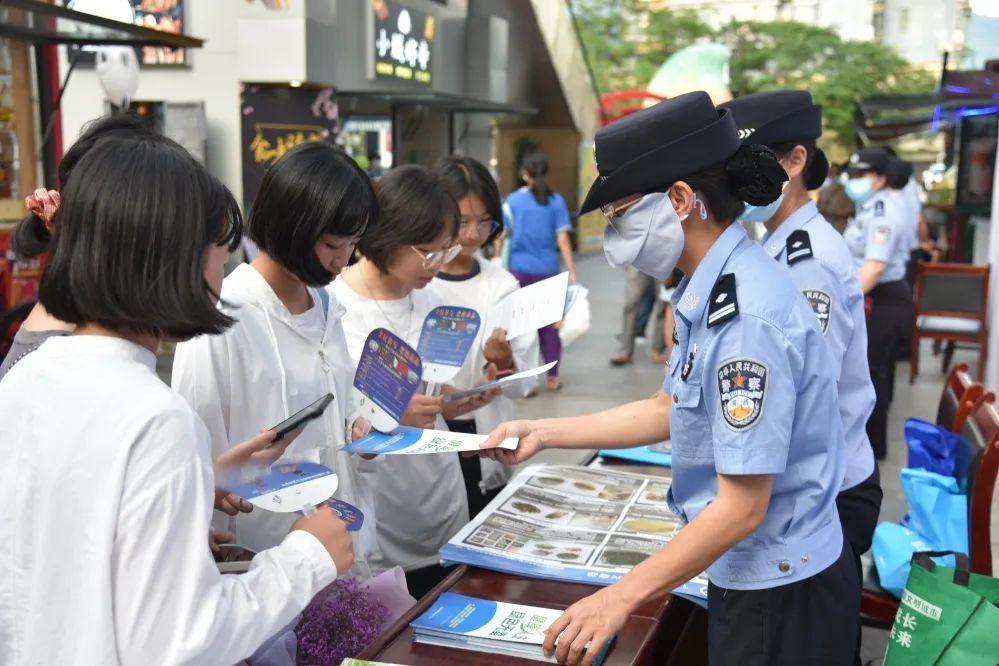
(302, 417)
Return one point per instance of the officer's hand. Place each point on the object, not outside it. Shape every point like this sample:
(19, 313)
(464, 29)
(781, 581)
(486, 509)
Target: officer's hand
(529, 434)
(578, 637)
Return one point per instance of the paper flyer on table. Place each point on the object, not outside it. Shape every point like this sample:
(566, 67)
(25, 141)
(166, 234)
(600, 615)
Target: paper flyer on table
(411, 441)
(481, 618)
(566, 522)
(499, 383)
(532, 307)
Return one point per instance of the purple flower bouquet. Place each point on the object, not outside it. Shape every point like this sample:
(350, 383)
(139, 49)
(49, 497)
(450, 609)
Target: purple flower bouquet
(340, 622)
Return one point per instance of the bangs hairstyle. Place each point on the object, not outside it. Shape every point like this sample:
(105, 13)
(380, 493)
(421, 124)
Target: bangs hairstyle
(31, 238)
(138, 214)
(464, 176)
(414, 208)
(314, 189)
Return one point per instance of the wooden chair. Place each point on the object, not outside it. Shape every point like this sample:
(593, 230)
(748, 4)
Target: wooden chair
(951, 305)
(959, 395)
(980, 431)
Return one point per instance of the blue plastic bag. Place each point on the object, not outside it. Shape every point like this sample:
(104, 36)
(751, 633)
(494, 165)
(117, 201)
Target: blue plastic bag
(892, 549)
(938, 511)
(932, 447)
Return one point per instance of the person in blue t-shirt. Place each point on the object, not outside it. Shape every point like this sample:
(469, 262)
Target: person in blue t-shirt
(536, 221)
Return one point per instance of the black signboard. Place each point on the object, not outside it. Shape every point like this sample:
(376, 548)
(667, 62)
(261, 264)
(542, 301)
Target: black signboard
(275, 119)
(403, 42)
(976, 166)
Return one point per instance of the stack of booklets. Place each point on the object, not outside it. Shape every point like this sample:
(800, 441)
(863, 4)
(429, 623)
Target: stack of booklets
(493, 627)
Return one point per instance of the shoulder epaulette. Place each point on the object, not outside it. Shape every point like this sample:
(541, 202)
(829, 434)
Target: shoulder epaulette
(799, 246)
(724, 305)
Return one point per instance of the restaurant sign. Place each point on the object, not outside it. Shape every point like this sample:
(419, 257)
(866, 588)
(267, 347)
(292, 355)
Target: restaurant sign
(403, 42)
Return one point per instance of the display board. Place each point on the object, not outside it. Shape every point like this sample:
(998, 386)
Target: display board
(572, 523)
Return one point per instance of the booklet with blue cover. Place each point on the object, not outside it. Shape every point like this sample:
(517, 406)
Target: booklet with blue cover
(493, 627)
(406, 440)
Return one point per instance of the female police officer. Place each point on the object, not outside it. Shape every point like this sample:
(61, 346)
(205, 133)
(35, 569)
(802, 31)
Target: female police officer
(749, 403)
(878, 238)
(820, 263)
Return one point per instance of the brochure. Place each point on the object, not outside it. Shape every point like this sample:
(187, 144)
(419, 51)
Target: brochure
(288, 488)
(499, 383)
(532, 307)
(481, 625)
(566, 522)
(410, 441)
(447, 337)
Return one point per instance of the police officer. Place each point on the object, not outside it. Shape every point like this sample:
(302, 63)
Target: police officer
(878, 238)
(822, 267)
(898, 179)
(749, 403)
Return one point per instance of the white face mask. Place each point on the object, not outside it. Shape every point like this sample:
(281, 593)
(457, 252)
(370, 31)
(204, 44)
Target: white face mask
(647, 236)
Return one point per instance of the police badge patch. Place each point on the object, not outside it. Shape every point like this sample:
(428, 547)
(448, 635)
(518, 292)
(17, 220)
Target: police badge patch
(742, 387)
(882, 233)
(821, 305)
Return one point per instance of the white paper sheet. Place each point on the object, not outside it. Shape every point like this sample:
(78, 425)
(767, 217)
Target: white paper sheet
(532, 307)
(499, 383)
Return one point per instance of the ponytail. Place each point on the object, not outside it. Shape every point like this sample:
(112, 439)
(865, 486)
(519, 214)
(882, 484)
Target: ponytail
(536, 166)
(756, 174)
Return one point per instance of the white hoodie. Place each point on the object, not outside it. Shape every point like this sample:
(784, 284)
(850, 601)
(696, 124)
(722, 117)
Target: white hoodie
(481, 293)
(262, 370)
(420, 501)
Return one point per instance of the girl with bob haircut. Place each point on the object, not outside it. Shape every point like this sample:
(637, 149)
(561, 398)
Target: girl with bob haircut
(287, 348)
(107, 483)
(419, 500)
(470, 280)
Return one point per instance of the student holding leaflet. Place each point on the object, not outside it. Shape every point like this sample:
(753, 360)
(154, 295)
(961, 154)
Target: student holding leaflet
(419, 500)
(472, 281)
(107, 482)
(287, 347)
(749, 403)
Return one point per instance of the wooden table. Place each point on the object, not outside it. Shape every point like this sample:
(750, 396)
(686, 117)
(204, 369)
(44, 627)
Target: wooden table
(662, 632)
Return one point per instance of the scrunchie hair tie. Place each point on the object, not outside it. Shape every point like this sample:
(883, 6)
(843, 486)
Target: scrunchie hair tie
(44, 203)
(757, 173)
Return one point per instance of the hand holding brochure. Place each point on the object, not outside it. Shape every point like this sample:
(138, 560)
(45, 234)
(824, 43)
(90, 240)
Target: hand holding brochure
(409, 441)
(481, 625)
(499, 383)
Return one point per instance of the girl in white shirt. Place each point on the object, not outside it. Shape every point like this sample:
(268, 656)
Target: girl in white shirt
(419, 500)
(107, 482)
(287, 348)
(472, 281)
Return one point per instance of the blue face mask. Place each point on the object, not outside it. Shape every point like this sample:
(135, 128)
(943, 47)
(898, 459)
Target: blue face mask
(760, 213)
(859, 189)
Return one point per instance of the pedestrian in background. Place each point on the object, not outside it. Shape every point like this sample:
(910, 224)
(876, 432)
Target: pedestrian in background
(834, 204)
(637, 286)
(472, 281)
(536, 222)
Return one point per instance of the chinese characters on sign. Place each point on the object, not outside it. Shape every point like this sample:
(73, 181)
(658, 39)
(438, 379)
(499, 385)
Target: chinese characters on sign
(403, 42)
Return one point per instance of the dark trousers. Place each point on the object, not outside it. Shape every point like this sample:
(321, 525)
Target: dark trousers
(548, 339)
(421, 581)
(859, 508)
(889, 324)
(471, 472)
(811, 622)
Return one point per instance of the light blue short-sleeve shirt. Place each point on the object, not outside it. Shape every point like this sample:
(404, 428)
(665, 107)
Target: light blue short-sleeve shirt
(753, 391)
(532, 229)
(879, 231)
(823, 269)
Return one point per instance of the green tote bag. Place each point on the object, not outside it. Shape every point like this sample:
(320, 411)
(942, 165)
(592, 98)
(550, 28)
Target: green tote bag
(947, 617)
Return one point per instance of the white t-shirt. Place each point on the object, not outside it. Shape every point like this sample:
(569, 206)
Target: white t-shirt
(420, 501)
(107, 493)
(481, 292)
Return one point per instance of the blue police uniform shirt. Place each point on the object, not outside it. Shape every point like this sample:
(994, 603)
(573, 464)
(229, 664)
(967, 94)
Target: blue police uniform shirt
(879, 231)
(532, 229)
(822, 267)
(753, 392)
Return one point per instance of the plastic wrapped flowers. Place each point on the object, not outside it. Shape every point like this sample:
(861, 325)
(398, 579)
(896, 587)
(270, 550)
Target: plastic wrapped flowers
(340, 622)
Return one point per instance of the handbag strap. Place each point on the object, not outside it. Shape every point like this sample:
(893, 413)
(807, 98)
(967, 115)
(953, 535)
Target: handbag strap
(962, 572)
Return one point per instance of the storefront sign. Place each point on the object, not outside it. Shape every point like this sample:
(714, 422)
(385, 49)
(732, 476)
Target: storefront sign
(403, 42)
(275, 119)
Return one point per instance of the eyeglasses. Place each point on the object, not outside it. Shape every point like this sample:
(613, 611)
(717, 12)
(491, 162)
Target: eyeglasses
(612, 211)
(483, 228)
(437, 258)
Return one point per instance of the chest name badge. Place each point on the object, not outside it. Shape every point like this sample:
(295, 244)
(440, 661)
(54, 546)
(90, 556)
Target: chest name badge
(821, 305)
(742, 387)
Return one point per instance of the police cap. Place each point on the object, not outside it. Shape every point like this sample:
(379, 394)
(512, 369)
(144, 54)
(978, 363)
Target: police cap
(779, 117)
(649, 150)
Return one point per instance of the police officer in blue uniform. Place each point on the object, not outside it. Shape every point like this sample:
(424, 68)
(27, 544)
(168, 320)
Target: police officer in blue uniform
(821, 265)
(879, 239)
(749, 403)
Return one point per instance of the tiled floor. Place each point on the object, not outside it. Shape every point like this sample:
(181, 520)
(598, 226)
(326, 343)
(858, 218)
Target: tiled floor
(590, 383)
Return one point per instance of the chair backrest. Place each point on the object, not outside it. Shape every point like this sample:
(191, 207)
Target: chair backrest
(959, 395)
(952, 290)
(981, 431)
